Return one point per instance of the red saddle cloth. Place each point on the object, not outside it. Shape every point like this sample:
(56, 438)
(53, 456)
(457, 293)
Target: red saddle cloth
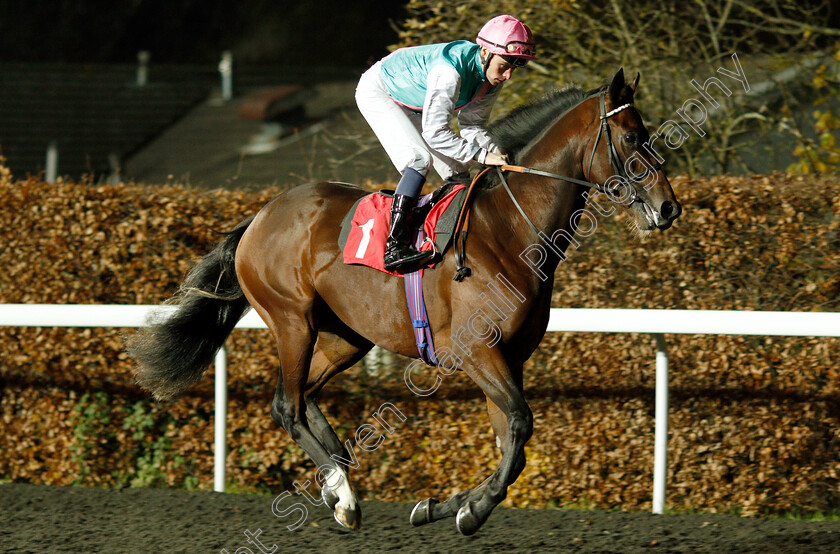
(369, 229)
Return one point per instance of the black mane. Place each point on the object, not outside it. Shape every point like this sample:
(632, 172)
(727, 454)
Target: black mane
(516, 129)
(520, 126)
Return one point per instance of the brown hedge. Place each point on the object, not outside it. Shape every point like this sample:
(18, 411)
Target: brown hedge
(754, 420)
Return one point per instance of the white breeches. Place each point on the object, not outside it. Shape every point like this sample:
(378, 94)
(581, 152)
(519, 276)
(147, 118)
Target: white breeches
(399, 129)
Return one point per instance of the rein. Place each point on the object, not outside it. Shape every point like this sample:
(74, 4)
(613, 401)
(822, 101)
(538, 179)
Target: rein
(604, 129)
(533, 171)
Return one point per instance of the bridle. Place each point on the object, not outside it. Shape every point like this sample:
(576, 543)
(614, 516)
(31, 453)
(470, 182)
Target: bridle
(617, 167)
(603, 129)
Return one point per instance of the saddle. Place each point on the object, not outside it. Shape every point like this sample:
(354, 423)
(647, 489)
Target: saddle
(364, 229)
(438, 218)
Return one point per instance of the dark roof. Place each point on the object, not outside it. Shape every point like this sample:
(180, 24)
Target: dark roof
(91, 111)
(213, 146)
(94, 110)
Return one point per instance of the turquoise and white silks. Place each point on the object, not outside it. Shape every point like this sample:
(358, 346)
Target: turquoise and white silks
(447, 77)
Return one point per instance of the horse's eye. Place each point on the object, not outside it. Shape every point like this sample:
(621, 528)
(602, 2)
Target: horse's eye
(631, 138)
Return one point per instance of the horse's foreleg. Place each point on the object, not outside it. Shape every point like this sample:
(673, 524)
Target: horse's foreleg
(520, 423)
(513, 424)
(500, 428)
(430, 510)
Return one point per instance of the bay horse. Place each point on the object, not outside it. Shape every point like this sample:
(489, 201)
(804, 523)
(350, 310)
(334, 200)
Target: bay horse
(326, 315)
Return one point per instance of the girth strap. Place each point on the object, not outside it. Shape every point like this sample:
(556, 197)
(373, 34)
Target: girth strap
(417, 308)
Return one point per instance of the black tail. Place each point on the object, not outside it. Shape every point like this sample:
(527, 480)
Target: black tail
(172, 354)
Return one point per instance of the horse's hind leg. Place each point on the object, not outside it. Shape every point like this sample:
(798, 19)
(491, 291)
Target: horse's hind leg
(295, 344)
(333, 354)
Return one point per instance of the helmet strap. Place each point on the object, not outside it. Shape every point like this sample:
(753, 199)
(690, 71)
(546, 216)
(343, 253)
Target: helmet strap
(485, 63)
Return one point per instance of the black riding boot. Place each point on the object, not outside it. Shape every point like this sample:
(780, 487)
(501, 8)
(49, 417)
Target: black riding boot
(400, 255)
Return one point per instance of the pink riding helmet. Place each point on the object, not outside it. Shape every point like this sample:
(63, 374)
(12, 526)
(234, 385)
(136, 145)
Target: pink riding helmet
(507, 36)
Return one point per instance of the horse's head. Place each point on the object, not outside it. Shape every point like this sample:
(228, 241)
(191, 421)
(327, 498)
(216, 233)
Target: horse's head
(621, 159)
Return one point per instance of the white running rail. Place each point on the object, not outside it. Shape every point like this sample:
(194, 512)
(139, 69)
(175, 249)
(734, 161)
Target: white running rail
(655, 322)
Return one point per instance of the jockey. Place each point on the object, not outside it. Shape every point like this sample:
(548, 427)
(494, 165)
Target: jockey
(408, 98)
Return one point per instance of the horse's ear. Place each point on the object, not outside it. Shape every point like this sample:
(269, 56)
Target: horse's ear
(635, 84)
(616, 87)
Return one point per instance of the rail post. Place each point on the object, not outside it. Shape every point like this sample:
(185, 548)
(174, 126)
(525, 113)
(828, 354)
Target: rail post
(660, 448)
(220, 421)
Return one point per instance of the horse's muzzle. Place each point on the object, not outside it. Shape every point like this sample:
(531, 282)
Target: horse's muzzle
(668, 213)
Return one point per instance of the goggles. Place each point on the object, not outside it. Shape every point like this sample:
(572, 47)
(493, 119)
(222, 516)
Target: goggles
(516, 47)
(515, 61)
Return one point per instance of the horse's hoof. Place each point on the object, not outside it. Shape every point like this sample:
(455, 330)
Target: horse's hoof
(422, 512)
(350, 518)
(330, 498)
(466, 521)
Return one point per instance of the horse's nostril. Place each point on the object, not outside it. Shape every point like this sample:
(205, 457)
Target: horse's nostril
(670, 210)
